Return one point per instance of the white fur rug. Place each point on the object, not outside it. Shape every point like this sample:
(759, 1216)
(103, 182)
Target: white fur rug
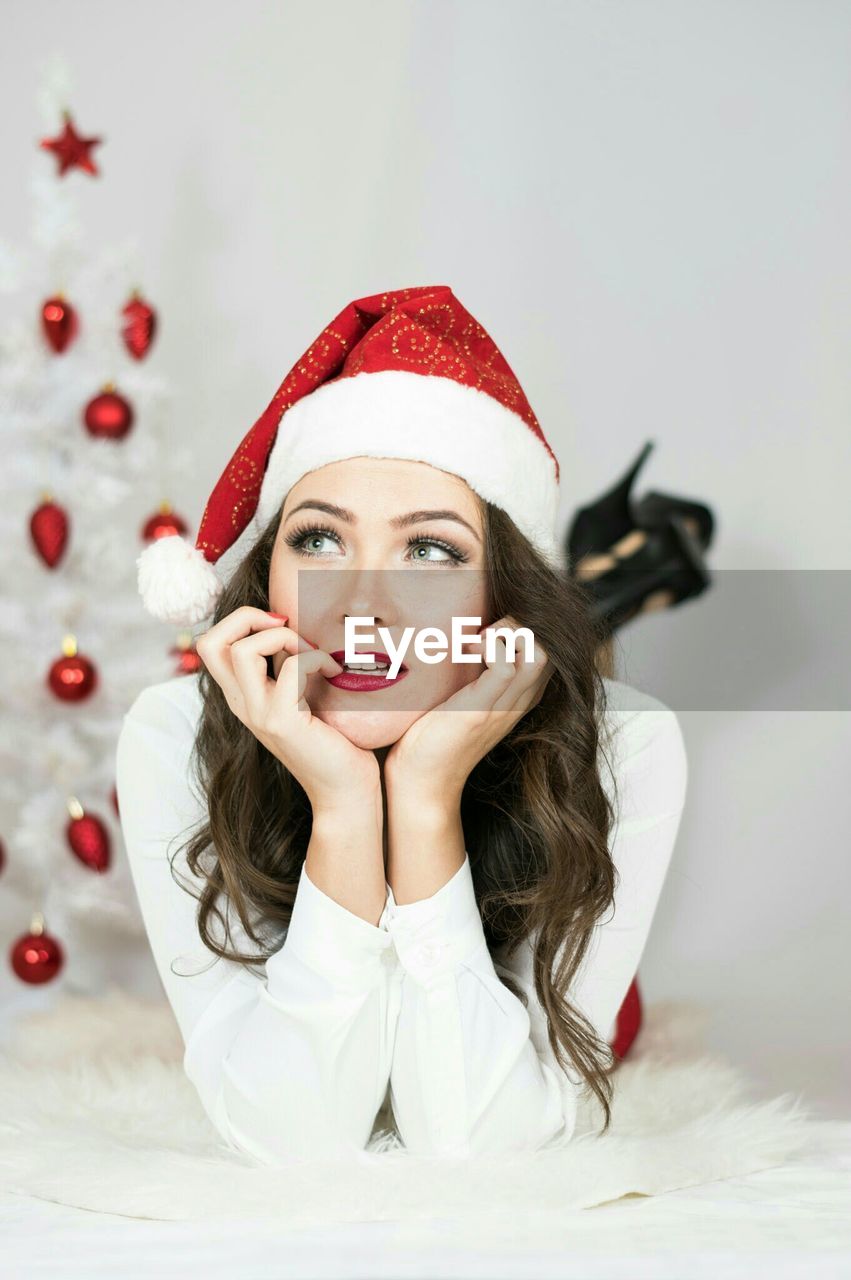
(95, 1112)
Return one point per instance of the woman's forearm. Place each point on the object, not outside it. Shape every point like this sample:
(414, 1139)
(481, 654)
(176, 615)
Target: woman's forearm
(425, 844)
(345, 857)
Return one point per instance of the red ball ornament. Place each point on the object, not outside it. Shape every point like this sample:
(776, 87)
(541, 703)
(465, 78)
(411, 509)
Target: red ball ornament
(59, 322)
(108, 416)
(88, 838)
(73, 677)
(36, 957)
(162, 524)
(49, 531)
(140, 325)
(71, 149)
(188, 658)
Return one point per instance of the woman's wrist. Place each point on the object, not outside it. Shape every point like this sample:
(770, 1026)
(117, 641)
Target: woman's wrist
(357, 804)
(406, 790)
(425, 846)
(345, 856)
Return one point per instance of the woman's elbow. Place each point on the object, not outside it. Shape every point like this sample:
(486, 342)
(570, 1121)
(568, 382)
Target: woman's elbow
(282, 1130)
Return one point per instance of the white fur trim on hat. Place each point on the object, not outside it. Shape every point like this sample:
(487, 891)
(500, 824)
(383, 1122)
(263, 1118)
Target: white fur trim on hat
(177, 582)
(393, 413)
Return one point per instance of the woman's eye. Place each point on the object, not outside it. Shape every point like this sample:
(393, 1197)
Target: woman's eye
(418, 548)
(310, 544)
(447, 552)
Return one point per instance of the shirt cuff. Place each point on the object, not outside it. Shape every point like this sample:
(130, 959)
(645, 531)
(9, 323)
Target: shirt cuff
(333, 941)
(435, 935)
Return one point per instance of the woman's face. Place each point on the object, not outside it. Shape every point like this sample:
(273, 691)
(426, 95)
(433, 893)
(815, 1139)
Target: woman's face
(380, 522)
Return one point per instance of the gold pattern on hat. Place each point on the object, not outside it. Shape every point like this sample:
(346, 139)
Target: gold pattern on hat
(242, 471)
(212, 546)
(246, 502)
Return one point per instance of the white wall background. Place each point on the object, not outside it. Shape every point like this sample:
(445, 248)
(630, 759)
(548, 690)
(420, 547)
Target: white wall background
(647, 204)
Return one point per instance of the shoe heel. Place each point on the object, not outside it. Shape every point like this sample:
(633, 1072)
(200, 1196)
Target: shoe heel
(654, 508)
(597, 525)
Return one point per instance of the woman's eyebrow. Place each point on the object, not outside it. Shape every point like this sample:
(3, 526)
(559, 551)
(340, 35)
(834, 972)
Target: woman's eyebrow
(398, 522)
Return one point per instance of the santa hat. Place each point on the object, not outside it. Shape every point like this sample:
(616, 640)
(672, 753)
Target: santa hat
(408, 374)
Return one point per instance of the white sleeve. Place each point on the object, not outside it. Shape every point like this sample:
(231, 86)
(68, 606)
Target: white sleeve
(473, 1070)
(289, 1066)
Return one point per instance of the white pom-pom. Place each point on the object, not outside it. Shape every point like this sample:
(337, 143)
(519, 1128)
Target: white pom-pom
(177, 582)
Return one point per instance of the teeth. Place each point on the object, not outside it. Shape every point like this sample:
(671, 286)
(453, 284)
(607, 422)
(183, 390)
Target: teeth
(374, 666)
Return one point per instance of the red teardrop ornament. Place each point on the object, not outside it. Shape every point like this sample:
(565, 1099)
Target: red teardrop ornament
(89, 841)
(59, 322)
(140, 326)
(49, 531)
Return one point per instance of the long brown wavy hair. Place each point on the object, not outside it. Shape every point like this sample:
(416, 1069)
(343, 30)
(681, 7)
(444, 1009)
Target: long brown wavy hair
(536, 817)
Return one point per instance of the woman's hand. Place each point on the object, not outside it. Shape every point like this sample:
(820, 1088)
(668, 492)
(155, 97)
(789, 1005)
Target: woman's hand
(332, 770)
(433, 759)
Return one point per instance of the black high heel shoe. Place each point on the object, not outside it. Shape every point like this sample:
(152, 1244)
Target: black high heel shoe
(599, 524)
(595, 527)
(654, 508)
(670, 560)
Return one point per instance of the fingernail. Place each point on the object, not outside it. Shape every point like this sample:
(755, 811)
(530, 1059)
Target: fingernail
(283, 616)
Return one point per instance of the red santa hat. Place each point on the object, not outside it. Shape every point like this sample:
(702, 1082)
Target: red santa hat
(407, 374)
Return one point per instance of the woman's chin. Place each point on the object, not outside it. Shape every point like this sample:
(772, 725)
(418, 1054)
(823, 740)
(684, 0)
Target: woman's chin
(368, 731)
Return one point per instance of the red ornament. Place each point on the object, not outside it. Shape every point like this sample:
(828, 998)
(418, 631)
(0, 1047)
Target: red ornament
(59, 322)
(162, 524)
(627, 1021)
(49, 531)
(88, 837)
(188, 658)
(72, 677)
(108, 416)
(71, 149)
(139, 327)
(36, 957)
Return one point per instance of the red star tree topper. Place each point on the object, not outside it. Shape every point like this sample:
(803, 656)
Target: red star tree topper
(72, 150)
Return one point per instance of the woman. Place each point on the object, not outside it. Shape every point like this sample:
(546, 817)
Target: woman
(412, 881)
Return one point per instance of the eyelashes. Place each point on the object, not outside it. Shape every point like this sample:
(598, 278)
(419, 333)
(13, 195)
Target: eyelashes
(298, 536)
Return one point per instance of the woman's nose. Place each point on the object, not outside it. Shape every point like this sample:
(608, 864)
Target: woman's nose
(371, 594)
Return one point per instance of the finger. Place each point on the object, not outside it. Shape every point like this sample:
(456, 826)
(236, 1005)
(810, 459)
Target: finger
(500, 664)
(291, 684)
(250, 668)
(214, 645)
(522, 678)
(529, 668)
(238, 623)
(531, 677)
(481, 694)
(501, 679)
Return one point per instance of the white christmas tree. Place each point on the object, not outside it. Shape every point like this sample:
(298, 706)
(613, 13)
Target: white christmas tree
(58, 755)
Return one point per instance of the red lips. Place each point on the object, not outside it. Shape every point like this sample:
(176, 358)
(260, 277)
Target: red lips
(339, 655)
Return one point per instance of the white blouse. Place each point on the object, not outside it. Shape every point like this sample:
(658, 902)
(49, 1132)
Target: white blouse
(297, 1063)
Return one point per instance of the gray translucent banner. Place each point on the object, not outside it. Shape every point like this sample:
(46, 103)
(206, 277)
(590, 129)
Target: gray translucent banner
(753, 640)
